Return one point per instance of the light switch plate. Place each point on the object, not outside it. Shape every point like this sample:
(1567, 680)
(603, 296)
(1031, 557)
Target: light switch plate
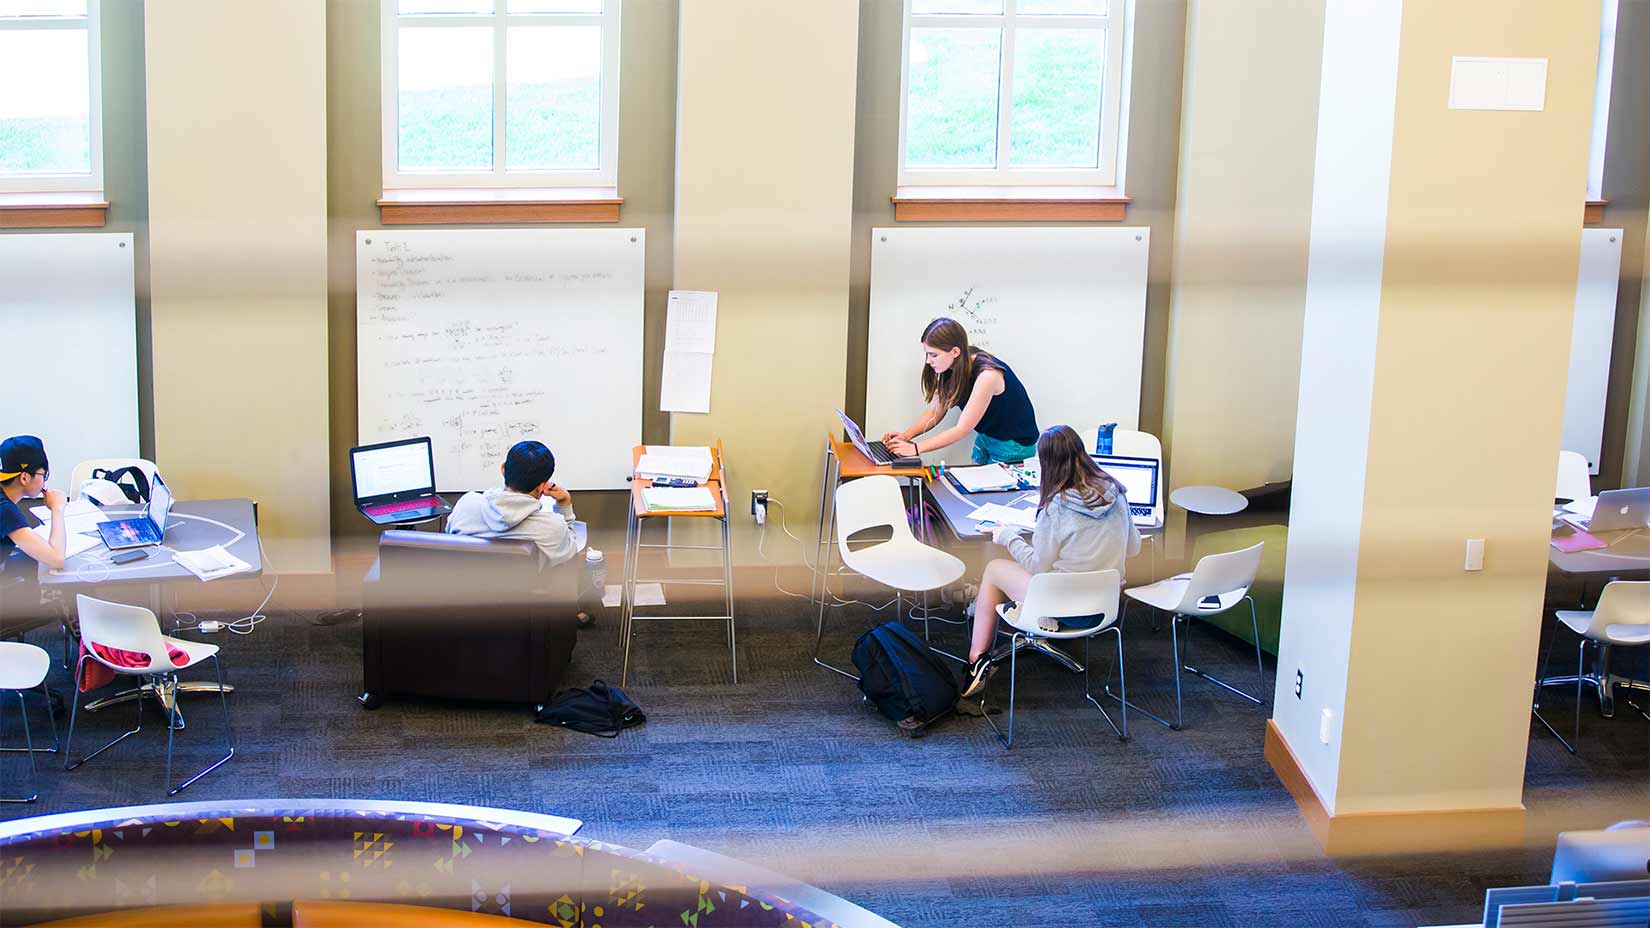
(1475, 554)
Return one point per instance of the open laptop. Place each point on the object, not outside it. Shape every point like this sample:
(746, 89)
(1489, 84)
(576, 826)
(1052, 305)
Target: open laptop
(1140, 484)
(395, 481)
(876, 451)
(1621, 509)
(146, 529)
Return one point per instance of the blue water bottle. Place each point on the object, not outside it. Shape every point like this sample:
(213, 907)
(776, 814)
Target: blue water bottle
(1102, 438)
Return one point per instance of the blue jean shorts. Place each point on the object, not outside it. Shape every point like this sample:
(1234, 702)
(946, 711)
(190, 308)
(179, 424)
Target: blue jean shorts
(1002, 451)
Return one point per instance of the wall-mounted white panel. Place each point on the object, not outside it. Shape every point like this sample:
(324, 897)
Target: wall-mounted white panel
(1590, 339)
(1518, 84)
(1065, 308)
(74, 382)
(482, 338)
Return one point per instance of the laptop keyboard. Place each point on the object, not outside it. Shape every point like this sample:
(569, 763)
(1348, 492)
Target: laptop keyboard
(1139, 510)
(879, 453)
(384, 509)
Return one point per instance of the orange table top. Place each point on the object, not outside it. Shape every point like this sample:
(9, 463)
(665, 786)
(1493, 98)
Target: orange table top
(851, 463)
(714, 485)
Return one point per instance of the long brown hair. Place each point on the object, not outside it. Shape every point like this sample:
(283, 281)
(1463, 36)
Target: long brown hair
(1065, 465)
(952, 386)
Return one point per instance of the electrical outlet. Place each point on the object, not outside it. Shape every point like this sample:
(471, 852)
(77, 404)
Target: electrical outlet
(1300, 681)
(759, 506)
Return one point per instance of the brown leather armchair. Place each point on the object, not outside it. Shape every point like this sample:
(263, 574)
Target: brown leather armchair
(458, 617)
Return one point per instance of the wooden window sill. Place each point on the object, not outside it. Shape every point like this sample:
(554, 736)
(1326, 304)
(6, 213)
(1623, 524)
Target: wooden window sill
(431, 206)
(53, 210)
(1008, 204)
(1594, 212)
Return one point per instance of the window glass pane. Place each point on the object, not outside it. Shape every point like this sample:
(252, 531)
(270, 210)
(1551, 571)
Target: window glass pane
(555, 6)
(54, 8)
(436, 7)
(554, 97)
(928, 7)
(1056, 107)
(951, 107)
(44, 101)
(445, 100)
(1062, 7)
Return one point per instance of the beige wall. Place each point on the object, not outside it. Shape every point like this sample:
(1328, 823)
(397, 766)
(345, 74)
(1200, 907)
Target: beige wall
(1636, 457)
(1154, 126)
(1474, 288)
(647, 104)
(236, 99)
(1242, 217)
(764, 183)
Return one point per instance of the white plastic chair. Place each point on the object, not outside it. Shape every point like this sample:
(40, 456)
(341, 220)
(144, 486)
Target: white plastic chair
(134, 628)
(23, 667)
(1620, 620)
(902, 562)
(83, 471)
(1086, 594)
(1574, 481)
(1217, 584)
(1136, 444)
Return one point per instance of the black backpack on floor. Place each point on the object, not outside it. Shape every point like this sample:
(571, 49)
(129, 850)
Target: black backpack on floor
(899, 675)
(601, 710)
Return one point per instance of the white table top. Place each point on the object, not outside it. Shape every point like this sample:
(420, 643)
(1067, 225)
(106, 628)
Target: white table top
(1209, 501)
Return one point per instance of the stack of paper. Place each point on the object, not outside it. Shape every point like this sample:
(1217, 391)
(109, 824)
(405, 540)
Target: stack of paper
(1005, 515)
(691, 462)
(210, 563)
(984, 478)
(678, 499)
(80, 519)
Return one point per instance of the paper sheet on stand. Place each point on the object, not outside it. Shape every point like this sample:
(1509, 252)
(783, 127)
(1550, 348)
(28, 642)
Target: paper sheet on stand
(692, 461)
(684, 382)
(690, 348)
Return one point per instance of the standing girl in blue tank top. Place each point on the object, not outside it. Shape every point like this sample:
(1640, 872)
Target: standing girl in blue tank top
(993, 402)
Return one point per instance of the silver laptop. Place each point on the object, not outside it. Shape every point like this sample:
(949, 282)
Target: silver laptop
(1621, 509)
(875, 451)
(1139, 478)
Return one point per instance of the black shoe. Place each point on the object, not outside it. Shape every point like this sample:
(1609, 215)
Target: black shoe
(586, 620)
(979, 672)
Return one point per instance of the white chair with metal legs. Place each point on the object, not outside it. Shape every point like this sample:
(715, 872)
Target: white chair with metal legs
(1217, 584)
(1089, 594)
(106, 625)
(902, 562)
(1620, 620)
(1574, 481)
(22, 668)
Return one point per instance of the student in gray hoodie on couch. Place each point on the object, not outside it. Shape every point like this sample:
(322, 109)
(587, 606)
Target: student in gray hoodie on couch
(514, 510)
(1083, 523)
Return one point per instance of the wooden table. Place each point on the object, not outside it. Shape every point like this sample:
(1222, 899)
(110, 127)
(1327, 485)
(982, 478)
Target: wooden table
(638, 514)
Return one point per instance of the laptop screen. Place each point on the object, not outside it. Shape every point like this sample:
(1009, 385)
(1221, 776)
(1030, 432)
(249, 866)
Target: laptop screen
(160, 504)
(1137, 475)
(854, 434)
(396, 467)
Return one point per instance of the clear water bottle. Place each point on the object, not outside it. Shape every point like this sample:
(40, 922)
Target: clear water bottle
(595, 574)
(1102, 438)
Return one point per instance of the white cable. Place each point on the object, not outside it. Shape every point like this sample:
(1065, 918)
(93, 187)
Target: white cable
(803, 546)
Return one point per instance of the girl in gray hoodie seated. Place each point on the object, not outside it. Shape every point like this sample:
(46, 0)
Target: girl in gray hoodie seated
(1083, 523)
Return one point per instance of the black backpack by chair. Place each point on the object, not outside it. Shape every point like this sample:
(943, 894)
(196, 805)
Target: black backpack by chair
(601, 710)
(904, 680)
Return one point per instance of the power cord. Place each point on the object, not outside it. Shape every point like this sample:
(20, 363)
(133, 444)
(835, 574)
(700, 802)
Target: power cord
(245, 624)
(802, 546)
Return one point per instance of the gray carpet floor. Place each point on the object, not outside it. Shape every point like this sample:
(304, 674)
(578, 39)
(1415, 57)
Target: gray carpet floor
(789, 770)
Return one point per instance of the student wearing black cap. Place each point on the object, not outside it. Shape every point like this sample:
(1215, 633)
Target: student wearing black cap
(23, 471)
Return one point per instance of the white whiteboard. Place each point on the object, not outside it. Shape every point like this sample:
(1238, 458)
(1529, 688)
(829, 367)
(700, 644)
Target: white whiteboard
(1064, 307)
(482, 338)
(75, 385)
(1590, 339)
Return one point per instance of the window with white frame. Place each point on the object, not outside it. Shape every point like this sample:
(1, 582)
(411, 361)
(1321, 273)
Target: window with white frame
(51, 109)
(500, 93)
(1012, 91)
(1601, 100)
